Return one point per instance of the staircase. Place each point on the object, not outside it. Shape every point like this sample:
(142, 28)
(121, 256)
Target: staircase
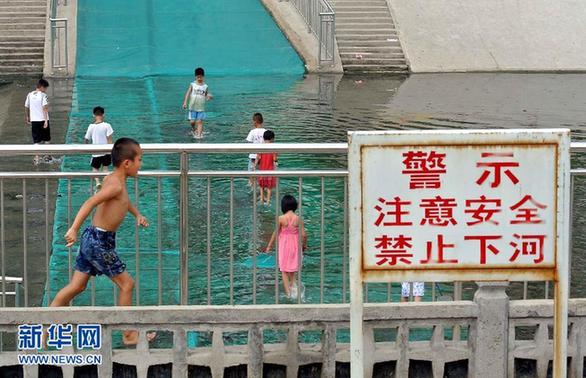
(22, 36)
(367, 38)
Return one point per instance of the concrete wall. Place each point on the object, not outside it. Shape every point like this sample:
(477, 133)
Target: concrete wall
(493, 35)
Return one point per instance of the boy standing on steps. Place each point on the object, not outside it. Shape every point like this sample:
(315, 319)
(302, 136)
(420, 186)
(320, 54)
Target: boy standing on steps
(99, 132)
(97, 250)
(197, 94)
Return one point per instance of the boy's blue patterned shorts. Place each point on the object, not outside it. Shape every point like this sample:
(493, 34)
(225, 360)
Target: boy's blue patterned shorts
(196, 116)
(97, 253)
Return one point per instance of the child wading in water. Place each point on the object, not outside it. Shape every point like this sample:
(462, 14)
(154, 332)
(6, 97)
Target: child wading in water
(195, 99)
(267, 162)
(97, 249)
(288, 249)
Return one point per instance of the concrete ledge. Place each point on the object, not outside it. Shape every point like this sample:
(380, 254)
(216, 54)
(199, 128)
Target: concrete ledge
(304, 42)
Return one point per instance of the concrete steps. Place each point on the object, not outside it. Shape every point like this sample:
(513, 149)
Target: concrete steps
(22, 36)
(367, 37)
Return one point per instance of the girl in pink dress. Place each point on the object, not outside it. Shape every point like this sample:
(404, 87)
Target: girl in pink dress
(288, 252)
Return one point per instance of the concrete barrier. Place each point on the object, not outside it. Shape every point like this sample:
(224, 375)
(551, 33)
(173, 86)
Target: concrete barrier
(500, 35)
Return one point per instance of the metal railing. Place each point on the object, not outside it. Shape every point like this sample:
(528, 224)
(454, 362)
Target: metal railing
(59, 40)
(59, 50)
(321, 21)
(179, 184)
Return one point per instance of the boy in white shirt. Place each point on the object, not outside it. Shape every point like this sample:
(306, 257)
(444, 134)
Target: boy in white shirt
(99, 132)
(37, 115)
(255, 136)
(195, 99)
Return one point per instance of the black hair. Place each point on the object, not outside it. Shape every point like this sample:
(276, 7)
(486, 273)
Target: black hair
(124, 148)
(268, 135)
(43, 83)
(288, 203)
(199, 71)
(99, 111)
(258, 118)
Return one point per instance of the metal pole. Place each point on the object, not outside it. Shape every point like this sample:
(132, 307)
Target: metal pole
(345, 241)
(24, 244)
(300, 241)
(209, 240)
(183, 231)
(277, 207)
(137, 245)
(159, 243)
(254, 240)
(69, 257)
(47, 256)
(322, 242)
(231, 240)
(2, 245)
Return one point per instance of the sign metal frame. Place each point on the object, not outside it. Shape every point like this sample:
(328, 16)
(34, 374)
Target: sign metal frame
(559, 272)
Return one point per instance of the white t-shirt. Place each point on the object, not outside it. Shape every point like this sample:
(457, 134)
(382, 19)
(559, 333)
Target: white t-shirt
(98, 133)
(197, 97)
(255, 136)
(35, 101)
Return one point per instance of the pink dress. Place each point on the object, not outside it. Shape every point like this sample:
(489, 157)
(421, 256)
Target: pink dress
(289, 248)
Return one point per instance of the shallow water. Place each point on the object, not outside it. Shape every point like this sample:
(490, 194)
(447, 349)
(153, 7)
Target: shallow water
(300, 109)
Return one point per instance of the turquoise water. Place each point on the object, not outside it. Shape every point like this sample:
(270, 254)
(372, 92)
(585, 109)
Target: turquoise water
(229, 121)
(138, 38)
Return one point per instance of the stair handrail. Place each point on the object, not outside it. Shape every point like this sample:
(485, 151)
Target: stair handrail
(320, 19)
(59, 39)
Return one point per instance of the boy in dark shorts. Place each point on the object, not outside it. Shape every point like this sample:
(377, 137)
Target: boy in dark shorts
(97, 250)
(37, 115)
(99, 132)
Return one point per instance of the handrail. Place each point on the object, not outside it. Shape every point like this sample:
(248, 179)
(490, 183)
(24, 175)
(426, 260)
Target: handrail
(321, 21)
(70, 149)
(190, 148)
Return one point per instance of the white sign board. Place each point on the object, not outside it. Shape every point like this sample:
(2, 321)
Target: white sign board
(480, 205)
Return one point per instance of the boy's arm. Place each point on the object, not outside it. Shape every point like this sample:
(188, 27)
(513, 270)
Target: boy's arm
(110, 139)
(208, 95)
(27, 111)
(185, 97)
(140, 220)
(107, 193)
(46, 114)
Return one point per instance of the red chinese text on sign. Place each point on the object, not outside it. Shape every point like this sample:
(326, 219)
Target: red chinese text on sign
(531, 245)
(527, 211)
(424, 169)
(393, 250)
(482, 209)
(393, 212)
(438, 211)
(496, 168)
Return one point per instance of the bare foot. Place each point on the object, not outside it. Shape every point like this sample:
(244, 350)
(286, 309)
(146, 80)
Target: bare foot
(131, 337)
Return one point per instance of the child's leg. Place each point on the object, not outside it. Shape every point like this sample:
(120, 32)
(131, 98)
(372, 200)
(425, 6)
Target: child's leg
(199, 127)
(262, 194)
(126, 285)
(268, 195)
(97, 179)
(286, 284)
(77, 285)
(192, 123)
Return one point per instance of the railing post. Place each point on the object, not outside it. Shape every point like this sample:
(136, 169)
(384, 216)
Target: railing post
(490, 343)
(183, 234)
